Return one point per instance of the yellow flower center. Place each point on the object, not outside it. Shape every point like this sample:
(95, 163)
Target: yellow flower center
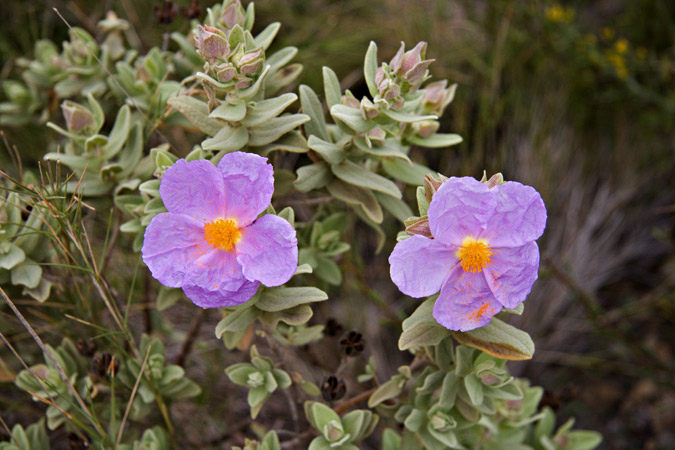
(222, 233)
(474, 254)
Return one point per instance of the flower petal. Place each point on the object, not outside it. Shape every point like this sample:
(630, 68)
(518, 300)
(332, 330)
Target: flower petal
(465, 302)
(461, 207)
(512, 272)
(193, 188)
(268, 251)
(171, 245)
(249, 184)
(520, 216)
(419, 265)
(216, 280)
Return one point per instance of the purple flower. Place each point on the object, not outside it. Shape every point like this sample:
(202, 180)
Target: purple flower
(482, 256)
(210, 242)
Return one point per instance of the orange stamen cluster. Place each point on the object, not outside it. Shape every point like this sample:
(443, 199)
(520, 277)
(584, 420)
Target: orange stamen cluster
(474, 255)
(222, 233)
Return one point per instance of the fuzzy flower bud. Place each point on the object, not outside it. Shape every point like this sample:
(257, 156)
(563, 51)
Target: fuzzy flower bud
(368, 109)
(211, 43)
(78, 118)
(225, 72)
(426, 128)
(437, 96)
(251, 62)
(233, 14)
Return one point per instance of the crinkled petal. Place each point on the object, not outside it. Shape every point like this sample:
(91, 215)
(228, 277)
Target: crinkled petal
(461, 207)
(249, 184)
(171, 245)
(466, 302)
(512, 272)
(216, 280)
(419, 265)
(520, 216)
(268, 251)
(193, 188)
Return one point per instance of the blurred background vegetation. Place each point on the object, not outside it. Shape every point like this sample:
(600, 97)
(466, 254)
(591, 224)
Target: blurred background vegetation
(575, 98)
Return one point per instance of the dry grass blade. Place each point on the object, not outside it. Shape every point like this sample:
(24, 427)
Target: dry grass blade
(131, 398)
(58, 367)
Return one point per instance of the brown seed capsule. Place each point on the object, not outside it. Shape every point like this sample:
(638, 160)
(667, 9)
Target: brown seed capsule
(333, 328)
(166, 13)
(193, 11)
(352, 343)
(87, 348)
(333, 388)
(105, 364)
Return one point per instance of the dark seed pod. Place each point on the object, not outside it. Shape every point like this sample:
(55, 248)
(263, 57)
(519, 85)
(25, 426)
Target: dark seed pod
(87, 348)
(105, 364)
(333, 388)
(166, 13)
(333, 327)
(193, 11)
(352, 343)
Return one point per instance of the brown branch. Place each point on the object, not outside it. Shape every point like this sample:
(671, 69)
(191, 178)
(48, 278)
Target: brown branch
(344, 406)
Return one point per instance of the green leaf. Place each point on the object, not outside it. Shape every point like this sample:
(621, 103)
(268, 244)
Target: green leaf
(298, 315)
(351, 117)
(332, 153)
(265, 37)
(311, 105)
(474, 388)
(355, 195)
(421, 328)
(499, 339)
(397, 207)
(407, 118)
(197, 112)
(237, 320)
(229, 112)
(331, 86)
(583, 440)
(281, 298)
(264, 110)
(28, 274)
(167, 297)
(238, 373)
(279, 59)
(388, 390)
(408, 173)
(437, 140)
(119, 133)
(370, 68)
(314, 176)
(228, 138)
(273, 129)
(281, 79)
(449, 389)
(13, 257)
(40, 292)
(360, 176)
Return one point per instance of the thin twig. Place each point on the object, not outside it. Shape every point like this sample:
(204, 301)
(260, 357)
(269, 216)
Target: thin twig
(191, 336)
(344, 406)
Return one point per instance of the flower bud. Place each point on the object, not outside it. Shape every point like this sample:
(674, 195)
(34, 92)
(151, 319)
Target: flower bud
(350, 101)
(78, 118)
(233, 14)
(211, 43)
(437, 97)
(426, 128)
(225, 72)
(368, 109)
(251, 62)
(377, 134)
(412, 57)
(397, 60)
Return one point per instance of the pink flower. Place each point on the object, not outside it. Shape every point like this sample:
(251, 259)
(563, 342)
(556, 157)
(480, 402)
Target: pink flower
(211, 242)
(482, 256)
